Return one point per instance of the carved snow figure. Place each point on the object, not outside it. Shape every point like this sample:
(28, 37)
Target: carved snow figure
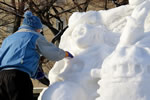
(127, 77)
(72, 76)
(91, 37)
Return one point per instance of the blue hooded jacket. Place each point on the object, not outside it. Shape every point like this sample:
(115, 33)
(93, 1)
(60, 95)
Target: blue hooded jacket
(18, 51)
(22, 51)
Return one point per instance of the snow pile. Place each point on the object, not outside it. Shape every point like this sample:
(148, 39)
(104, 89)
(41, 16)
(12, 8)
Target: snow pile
(111, 56)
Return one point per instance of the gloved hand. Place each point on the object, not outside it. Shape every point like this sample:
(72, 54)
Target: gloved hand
(40, 75)
(45, 81)
(68, 54)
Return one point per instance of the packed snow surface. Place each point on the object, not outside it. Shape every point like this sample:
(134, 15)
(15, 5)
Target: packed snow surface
(111, 51)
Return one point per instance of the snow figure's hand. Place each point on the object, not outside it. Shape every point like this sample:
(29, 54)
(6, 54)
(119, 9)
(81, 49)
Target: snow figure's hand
(141, 11)
(134, 29)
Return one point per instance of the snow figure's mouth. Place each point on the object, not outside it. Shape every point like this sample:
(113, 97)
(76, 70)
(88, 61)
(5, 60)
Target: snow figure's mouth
(131, 63)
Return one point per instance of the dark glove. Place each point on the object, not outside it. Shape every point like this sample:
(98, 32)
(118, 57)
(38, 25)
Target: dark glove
(40, 75)
(45, 81)
(68, 54)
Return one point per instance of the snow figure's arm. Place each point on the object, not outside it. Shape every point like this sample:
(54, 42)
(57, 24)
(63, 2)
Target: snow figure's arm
(134, 29)
(57, 69)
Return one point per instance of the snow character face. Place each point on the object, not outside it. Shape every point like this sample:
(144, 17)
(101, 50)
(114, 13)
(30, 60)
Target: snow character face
(84, 33)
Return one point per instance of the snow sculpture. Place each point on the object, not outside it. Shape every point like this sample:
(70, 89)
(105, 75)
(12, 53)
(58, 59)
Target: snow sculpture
(91, 37)
(73, 75)
(64, 91)
(127, 77)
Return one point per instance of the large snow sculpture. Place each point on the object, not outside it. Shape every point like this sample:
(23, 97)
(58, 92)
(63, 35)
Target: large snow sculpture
(127, 77)
(73, 75)
(91, 37)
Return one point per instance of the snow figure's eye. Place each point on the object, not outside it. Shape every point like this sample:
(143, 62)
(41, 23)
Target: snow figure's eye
(82, 31)
(137, 68)
(125, 68)
(114, 68)
(148, 68)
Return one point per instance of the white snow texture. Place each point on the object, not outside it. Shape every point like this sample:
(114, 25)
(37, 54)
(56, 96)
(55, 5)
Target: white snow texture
(111, 51)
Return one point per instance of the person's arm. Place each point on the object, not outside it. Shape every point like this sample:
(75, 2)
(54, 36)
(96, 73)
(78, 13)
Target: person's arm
(49, 50)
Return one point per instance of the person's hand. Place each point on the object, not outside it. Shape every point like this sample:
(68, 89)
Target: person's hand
(40, 75)
(45, 80)
(68, 54)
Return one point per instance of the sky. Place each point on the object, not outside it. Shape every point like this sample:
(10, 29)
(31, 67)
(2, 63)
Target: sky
(111, 51)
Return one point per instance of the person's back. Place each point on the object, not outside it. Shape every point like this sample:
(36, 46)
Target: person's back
(18, 51)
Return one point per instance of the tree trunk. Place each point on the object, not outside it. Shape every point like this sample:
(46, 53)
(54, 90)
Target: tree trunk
(105, 5)
(17, 23)
(20, 11)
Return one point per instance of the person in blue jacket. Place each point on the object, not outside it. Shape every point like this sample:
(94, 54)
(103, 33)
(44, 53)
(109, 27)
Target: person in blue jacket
(19, 59)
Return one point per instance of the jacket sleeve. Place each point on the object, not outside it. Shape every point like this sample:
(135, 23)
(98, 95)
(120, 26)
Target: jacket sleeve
(49, 50)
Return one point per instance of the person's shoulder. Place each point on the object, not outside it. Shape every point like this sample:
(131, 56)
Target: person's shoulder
(26, 31)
